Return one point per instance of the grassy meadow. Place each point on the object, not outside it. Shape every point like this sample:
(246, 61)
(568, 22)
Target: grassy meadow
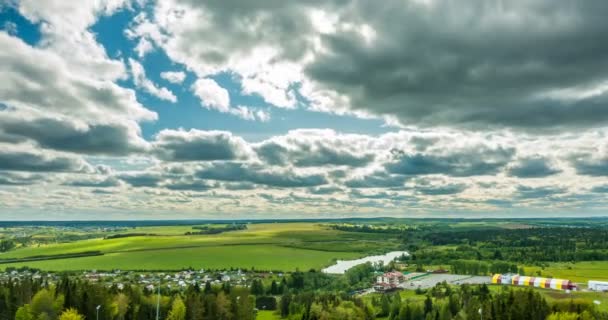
(273, 246)
(577, 272)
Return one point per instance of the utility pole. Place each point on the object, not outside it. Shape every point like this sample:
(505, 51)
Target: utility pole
(157, 301)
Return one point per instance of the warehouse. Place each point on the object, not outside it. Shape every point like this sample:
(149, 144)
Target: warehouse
(538, 282)
(598, 285)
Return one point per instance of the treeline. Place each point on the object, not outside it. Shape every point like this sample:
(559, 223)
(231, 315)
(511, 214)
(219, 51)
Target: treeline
(6, 245)
(442, 302)
(216, 230)
(552, 244)
(370, 228)
(128, 235)
(52, 257)
(300, 296)
(482, 268)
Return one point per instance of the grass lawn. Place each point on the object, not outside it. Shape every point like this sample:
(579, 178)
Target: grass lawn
(579, 272)
(267, 315)
(261, 257)
(272, 246)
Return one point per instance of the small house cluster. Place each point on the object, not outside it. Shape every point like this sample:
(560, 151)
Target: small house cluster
(388, 281)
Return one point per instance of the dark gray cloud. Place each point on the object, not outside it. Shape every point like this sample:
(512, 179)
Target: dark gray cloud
(600, 189)
(474, 162)
(64, 135)
(239, 172)
(446, 189)
(188, 185)
(141, 179)
(102, 191)
(19, 178)
(378, 179)
(591, 167)
(536, 167)
(526, 192)
(325, 190)
(472, 64)
(94, 183)
(382, 195)
(239, 186)
(311, 155)
(19, 160)
(316, 148)
(197, 145)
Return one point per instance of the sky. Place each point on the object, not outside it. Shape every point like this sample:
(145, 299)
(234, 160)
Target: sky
(234, 109)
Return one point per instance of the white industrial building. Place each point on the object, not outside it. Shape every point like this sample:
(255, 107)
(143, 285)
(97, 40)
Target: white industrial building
(598, 285)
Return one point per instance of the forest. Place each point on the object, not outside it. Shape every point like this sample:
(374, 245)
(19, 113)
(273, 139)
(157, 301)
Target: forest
(304, 296)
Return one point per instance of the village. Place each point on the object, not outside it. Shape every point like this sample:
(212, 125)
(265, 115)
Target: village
(149, 281)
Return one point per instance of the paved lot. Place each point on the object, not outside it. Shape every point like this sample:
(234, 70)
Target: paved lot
(431, 280)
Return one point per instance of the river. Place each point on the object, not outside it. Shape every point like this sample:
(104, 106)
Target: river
(342, 265)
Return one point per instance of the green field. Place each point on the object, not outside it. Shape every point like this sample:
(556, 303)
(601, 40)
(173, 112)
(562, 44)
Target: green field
(267, 315)
(580, 272)
(286, 247)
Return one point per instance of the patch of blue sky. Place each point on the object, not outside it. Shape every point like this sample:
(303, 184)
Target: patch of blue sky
(12, 22)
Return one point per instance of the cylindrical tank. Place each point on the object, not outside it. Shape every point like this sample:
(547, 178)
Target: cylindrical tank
(539, 282)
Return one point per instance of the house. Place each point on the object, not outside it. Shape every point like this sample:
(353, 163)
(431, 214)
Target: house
(391, 278)
(598, 286)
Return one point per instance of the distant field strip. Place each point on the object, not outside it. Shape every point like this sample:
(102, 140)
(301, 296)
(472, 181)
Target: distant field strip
(268, 247)
(261, 257)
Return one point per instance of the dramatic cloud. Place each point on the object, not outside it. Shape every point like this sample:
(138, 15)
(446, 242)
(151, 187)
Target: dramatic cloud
(474, 64)
(21, 159)
(310, 148)
(589, 166)
(72, 135)
(526, 192)
(10, 178)
(376, 180)
(255, 174)
(441, 189)
(50, 105)
(491, 63)
(474, 162)
(94, 183)
(352, 107)
(533, 168)
(188, 185)
(196, 145)
(142, 179)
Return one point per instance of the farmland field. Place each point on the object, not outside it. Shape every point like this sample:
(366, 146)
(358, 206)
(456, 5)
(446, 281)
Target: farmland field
(285, 247)
(577, 272)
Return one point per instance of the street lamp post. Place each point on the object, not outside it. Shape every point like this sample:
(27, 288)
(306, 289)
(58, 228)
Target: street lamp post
(158, 301)
(97, 311)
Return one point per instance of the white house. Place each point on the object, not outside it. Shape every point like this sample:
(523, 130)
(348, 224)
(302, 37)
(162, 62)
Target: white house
(598, 285)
